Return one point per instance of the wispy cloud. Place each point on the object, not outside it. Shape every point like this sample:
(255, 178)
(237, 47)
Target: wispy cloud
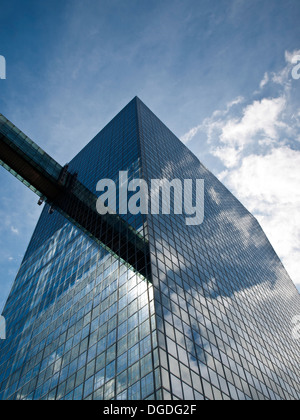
(265, 81)
(209, 124)
(14, 230)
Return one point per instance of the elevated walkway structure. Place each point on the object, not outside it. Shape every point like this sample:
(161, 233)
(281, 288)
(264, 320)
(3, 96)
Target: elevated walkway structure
(61, 189)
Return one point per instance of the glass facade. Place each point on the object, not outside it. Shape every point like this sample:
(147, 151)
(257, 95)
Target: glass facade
(214, 322)
(80, 322)
(223, 301)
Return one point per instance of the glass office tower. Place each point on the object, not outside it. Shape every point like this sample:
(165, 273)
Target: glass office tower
(212, 320)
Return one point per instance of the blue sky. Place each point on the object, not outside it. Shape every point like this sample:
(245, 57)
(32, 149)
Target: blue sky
(217, 72)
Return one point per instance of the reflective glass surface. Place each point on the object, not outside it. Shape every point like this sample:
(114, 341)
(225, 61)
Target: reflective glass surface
(224, 303)
(81, 323)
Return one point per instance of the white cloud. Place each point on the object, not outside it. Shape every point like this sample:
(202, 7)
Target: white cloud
(283, 77)
(259, 122)
(290, 56)
(269, 188)
(265, 81)
(210, 124)
(14, 230)
(191, 134)
(228, 155)
(255, 142)
(261, 118)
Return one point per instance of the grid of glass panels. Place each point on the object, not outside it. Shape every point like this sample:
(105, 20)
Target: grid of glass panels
(223, 301)
(80, 323)
(84, 328)
(116, 148)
